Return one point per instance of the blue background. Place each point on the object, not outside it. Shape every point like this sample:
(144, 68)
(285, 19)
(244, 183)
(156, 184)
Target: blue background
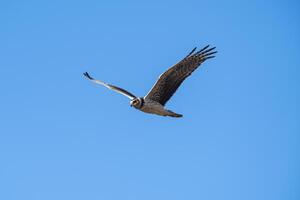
(62, 137)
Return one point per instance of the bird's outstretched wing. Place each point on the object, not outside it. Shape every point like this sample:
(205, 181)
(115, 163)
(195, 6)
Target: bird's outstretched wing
(170, 80)
(112, 87)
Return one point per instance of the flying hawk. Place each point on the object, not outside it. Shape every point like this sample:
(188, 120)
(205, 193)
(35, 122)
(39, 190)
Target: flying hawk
(166, 85)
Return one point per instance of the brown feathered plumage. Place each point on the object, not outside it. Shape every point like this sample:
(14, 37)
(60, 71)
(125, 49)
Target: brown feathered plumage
(169, 81)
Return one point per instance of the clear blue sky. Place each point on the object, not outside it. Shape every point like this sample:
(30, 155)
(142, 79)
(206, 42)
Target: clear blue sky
(62, 137)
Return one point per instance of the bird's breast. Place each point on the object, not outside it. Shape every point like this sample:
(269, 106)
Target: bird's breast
(151, 106)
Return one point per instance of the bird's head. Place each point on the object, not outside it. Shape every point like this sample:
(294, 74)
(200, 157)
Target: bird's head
(137, 102)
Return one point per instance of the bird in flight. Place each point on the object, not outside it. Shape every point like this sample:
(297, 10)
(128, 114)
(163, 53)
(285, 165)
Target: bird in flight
(166, 85)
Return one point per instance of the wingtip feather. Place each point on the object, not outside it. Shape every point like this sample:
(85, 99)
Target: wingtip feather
(87, 75)
(194, 49)
(209, 57)
(209, 53)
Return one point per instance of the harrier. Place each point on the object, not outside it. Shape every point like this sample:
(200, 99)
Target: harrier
(166, 85)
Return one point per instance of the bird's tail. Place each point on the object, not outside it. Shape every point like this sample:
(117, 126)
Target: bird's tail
(172, 114)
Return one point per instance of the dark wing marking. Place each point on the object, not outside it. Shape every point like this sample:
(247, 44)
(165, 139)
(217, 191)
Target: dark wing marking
(112, 87)
(169, 81)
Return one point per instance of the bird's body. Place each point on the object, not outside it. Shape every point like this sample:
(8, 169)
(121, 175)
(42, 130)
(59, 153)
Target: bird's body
(153, 107)
(166, 85)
